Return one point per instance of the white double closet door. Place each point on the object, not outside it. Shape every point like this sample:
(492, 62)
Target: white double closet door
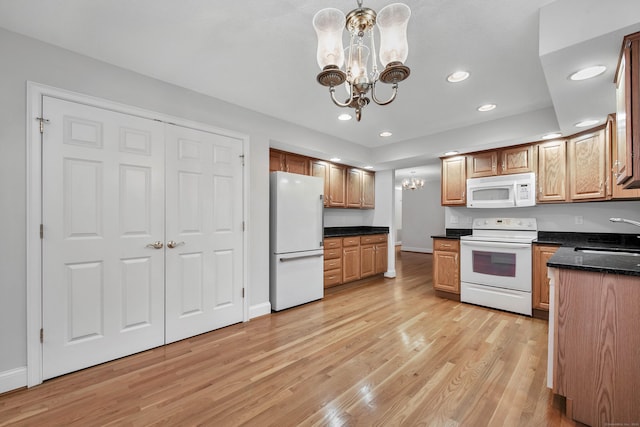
(143, 239)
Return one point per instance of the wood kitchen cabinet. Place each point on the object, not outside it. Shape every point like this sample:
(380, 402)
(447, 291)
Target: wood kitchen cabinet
(595, 342)
(350, 259)
(587, 156)
(446, 267)
(320, 169)
(616, 191)
(552, 171)
(627, 114)
(505, 161)
(288, 162)
(540, 280)
(332, 261)
(360, 189)
(337, 186)
(454, 181)
(373, 254)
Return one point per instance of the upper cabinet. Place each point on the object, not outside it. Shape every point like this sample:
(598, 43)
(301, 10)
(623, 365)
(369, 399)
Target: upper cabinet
(501, 162)
(288, 162)
(344, 186)
(588, 166)
(627, 161)
(616, 191)
(454, 181)
(552, 172)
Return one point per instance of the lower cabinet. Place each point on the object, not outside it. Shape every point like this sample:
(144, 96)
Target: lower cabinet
(540, 280)
(446, 267)
(347, 259)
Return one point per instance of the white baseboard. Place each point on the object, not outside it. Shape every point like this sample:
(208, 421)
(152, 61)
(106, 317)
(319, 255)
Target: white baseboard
(390, 274)
(422, 250)
(259, 310)
(13, 379)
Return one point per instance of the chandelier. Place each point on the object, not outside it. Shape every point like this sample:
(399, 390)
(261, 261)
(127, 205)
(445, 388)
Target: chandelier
(358, 77)
(412, 183)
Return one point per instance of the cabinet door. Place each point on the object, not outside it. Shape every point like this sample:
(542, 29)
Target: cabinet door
(516, 160)
(354, 188)
(445, 271)
(320, 169)
(483, 164)
(337, 184)
(624, 117)
(368, 190)
(587, 167)
(350, 263)
(454, 181)
(541, 255)
(297, 164)
(367, 261)
(276, 161)
(381, 258)
(617, 190)
(552, 169)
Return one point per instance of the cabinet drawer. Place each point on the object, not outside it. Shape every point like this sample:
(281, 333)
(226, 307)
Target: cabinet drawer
(373, 238)
(332, 253)
(330, 264)
(332, 243)
(351, 241)
(332, 277)
(446, 245)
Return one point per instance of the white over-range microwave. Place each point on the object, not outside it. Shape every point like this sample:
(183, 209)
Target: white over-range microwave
(503, 191)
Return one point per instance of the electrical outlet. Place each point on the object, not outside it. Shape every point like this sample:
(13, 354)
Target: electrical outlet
(578, 219)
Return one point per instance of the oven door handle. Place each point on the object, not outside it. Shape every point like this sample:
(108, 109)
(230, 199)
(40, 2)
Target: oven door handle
(502, 245)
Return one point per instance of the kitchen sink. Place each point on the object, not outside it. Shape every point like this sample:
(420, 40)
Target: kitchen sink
(609, 251)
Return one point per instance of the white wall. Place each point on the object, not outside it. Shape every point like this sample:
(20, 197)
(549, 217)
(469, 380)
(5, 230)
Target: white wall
(398, 215)
(25, 59)
(558, 217)
(384, 213)
(422, 217)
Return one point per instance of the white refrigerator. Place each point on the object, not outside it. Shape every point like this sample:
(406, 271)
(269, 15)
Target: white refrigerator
(296, 239)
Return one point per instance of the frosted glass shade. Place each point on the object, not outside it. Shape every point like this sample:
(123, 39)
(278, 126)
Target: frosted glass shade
(392, 22)
(329, 24)
(358, 62)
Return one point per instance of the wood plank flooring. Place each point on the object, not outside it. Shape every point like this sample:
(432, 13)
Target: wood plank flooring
(383, 352)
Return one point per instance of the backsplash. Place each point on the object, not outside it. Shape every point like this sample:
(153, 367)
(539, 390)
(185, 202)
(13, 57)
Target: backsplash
(335, 217)
(576, 217)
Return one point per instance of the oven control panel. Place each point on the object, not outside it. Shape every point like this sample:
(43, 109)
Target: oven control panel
(529, 224)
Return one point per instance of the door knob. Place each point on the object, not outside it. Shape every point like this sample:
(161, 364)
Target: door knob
(171, 244)
(155, 245)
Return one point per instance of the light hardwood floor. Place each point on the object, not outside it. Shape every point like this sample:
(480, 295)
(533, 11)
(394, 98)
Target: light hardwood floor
(384, 352)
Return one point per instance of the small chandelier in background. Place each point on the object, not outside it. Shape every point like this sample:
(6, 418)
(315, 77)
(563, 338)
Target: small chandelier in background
(412, 183)
(392, 23)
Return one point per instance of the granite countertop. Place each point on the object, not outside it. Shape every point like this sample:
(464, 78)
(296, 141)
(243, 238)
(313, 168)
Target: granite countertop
(571, 257)
(453, 233)
(359, 230)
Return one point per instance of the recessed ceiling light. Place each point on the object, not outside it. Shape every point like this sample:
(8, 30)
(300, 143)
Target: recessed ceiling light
(335, 159)
(587, 73)
(486, 107)
(552, 135)
(586, 123)
(457, 76)
(451, 153)
(385, 134)
(344, 117)
(368, 167)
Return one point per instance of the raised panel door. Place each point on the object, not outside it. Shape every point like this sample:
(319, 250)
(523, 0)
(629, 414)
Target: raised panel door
(552, 170)
(381, 257)
(367, 261)
(454, 181)
(337, 185)
(350, 263)
(541, 254)
(516, 160)
(354, 188)
(320, 169)
(617, 190)
(587, 167)
(276, 161)
(297, 164)
(483, 164)
(368, 190)
(446, 267)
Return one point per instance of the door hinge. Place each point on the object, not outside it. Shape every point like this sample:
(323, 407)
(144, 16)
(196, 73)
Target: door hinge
(242, 158)
(41, 231)
(42, 121)
(41, 335)
(242, 292)
(243, 226)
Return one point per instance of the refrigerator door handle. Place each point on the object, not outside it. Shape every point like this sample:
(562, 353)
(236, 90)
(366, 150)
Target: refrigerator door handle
(322, 220)
(294, 258)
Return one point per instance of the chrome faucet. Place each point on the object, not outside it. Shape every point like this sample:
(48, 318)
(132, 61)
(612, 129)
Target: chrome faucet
(628, 221)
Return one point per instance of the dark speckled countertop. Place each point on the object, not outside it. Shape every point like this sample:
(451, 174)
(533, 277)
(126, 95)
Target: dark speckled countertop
(354, 231)
(571, 255)
(453, 233)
